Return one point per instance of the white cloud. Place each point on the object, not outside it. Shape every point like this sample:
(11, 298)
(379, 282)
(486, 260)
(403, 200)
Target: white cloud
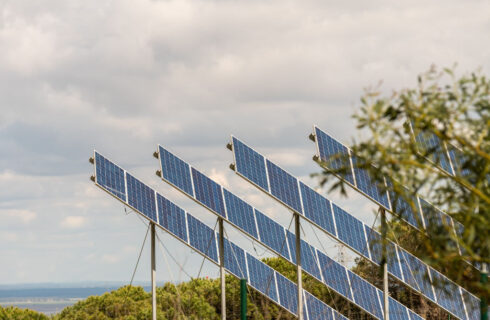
(73, 222)
(24, 216)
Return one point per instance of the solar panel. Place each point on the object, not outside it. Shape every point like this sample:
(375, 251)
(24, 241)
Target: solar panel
(365, 295)
(316, 309)
(251, 164)
(333, 152)
(171, 217)
(240, 213)
(431, 144)
(236, 259)
(288, 293)
(284, 186)
(309, 261)
(208, 192)
(176, 170)
(110, 176)
(317, 208)
(273, 236)
(141, 197)
(353, 233)
(202, 238)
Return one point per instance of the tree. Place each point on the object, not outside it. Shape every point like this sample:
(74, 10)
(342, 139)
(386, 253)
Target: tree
(410, 134)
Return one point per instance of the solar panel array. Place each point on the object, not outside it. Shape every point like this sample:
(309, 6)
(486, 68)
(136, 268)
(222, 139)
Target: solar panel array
(274, 236)
(351, 231)
(198, 236)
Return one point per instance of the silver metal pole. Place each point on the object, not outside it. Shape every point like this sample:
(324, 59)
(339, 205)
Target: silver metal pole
(153, 274)
(298, 265)
(222, 269)
(384, 264)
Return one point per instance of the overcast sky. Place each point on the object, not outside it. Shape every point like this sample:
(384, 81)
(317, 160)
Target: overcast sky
(123, 76)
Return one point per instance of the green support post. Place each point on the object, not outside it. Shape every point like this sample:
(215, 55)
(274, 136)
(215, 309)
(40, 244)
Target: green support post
(483, 301)
(243, 299)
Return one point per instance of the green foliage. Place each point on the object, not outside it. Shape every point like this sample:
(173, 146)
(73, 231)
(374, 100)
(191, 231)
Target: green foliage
(14, 313)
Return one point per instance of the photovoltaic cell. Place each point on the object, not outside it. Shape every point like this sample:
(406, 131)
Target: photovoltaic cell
(202, 238)
(366, 185)
(240, 213)
(473, 305)
(234, 258)
(175, 170)
(308, 255)
(332, 152)
(375, 246)
(284, 186)
(262, 277)
(334, 275)
(208, 192)
(448, 294)
(250, 164)
(272, 234)
(365, 295)
(350, 230)
(287, 293)
(171, 217)
(317, 310)
(110, 176)
(431, 144)
(397, 311)
(141, 197)
(415, 273)
(171, 220)
(317, 208)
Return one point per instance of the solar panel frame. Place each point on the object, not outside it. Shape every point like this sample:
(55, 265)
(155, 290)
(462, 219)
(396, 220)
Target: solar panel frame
(102, 187)
(350, 297)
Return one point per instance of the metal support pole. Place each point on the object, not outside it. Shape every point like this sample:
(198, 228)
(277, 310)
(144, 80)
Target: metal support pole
(222, 269)
(298, 265)
(384, 264)
(153, 275)
(243, 299)
(483, 301)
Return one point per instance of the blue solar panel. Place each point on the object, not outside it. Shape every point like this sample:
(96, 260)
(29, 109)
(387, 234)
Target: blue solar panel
(415, 273)
(208, 192)
(141, 197)
(332, 152)
(317, 208)
(308, 256)
(110, 176)
(250, 164)
(240, 213)
(448, 294)
(175, 171)
(334, 275)
(472, 305)
(365, 295)
(317, 309)
(272, 234)
(235, 259)
(433, 217)
(262, 277)
(171, 217)
(375, 246)
(202, 237)
(431, 144)
(284, 186)
(366, 185)
(350, 230)
(288, 293)
(397, 310)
